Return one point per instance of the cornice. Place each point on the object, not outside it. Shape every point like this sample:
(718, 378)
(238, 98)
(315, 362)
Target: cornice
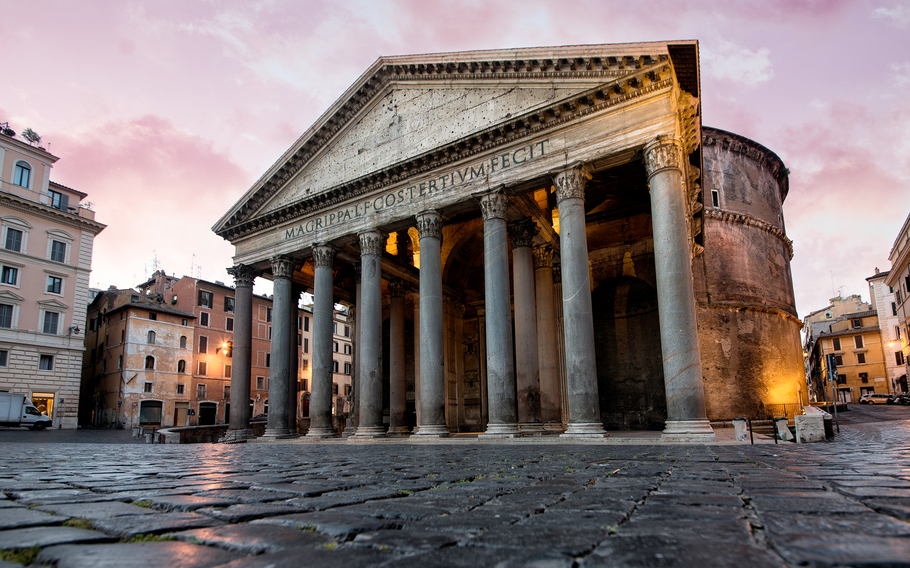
(752, 308)
(632, 78)
(730, 217)
(15, 202)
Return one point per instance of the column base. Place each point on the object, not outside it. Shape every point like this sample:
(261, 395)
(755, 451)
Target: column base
(369, 432)
(277, 433)
(694, 431)
(236, 436)
(319, 433)
(398, 432)
(554, 427)
(584, 430)
(431, 431)
(500, 430)
(531, 428)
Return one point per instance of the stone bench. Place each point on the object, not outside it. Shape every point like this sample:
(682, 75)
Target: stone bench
(810, 427)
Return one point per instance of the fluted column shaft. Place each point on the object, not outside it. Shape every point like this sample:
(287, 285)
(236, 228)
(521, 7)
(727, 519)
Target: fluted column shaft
(498, 314)
(370, 311)
(527, 374)
(323, 306)
(397, 381)
(683, 380)
(432, 415)
(241, 364)
(581, 367)
(282, 270)
(547, 340)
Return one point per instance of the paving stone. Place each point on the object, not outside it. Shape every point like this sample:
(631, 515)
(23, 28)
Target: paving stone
(876, 481)
(42, 496)
(872, 524)
(472, 557)
(333, 523)
(318, 557)
(825, 503)
(146, 494)
(17, 518)
(572, 540)
(247, 495)
(255, 539)
(599, 519)
(10, 486)
(104, 510)
(188, 502)
(300, 490)
(839, 549)
(709, 530)
(700, 487)
(135, 525)
(695, 499)
(688, 513)
(663, 551)
(875, 492)
(408, 541)
(134, 555)
(584, 502)
(48, 536)
(7, 504)
(899, 508)
(246, 512)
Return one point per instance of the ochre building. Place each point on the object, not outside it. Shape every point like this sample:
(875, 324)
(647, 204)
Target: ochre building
(526, 246)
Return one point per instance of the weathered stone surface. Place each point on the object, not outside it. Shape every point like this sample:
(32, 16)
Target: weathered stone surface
(102, 510)
(134, 555)
(871, 524)
(246, 495)
(294, 558)
(840, 549)
(566, 539)
(826, 502)
(48, 536)
(188, 502)
(660, 551)
(407, 541)
(255, 538)
(134, 525)
(471, 557)
(44, 496)
(246, 512)
(339, 524)
(18, 517)
(710, 530)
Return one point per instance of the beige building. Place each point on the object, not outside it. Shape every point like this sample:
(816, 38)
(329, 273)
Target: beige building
(884, 300)
(899, 280)
(46, 241)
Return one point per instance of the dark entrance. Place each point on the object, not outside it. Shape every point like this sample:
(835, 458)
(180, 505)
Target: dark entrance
(207, 413)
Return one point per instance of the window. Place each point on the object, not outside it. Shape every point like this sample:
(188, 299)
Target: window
(268, 359)
(9, 275)
(304, 364)
(203, 344)
(120, 362)
(335, 328)
(229, 305)
(864, 377)
(4, 357)
(201, 368)
(861, 358)
(335, 389)
(147, 387)
(204, 319)
(183, 342)
(14, 240)
(205, 299)
(306, 344)
(299, 322)
(335, 346)
(181, 366)
(838, 360)
(893, 304)
(347, 390)
(46, 362)
(841, 379)
(58, 200)
(837, 343)
(304, 384)
(200, 390)
(181, 389)
(299, 339)
(347, 331)
(335, 366)
(859, 341)
(898, 357)
(897, 332)
(229, 324)
(347, 368)
(153, 316)
(347, 348)
(268, 314)
(857, 323)
(6, 316)
(260, 383)
(151, 337)
(306, 323)
(22, 174)
(149, 362)
(51, 320)
(58, 251)
(183, 321)
(715, 197)
(227, 373)
(227, 392)
(54, 285)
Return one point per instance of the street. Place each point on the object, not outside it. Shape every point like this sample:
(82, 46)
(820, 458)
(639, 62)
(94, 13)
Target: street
(70, 499)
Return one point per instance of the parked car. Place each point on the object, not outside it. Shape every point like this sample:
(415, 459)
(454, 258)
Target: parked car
(874, 398)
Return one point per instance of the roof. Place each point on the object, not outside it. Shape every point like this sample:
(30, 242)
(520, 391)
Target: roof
(881, 274)
(156, 307)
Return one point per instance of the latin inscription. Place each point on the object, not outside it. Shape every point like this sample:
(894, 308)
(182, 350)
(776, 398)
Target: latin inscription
(419, 191)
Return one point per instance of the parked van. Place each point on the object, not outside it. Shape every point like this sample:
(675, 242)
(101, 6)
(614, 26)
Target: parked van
(16, 410)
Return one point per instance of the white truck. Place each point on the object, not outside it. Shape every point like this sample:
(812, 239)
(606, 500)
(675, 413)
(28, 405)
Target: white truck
(16, 410)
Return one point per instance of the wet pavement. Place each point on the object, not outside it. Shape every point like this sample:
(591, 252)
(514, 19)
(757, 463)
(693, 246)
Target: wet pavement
(74, 500)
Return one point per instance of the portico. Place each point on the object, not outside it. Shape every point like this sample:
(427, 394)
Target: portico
(457, 185)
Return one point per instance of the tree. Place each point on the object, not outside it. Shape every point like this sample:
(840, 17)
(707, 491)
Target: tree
(31, 136)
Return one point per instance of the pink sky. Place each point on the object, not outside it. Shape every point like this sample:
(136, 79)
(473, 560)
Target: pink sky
(166, 112)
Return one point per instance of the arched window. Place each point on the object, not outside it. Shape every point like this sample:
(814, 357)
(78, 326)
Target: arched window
(151, 337)
(22, 174)
(149, 362)
(183, 342)
(181, 366)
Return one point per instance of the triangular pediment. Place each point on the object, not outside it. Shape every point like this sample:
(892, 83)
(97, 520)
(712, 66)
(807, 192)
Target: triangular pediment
(406, 114)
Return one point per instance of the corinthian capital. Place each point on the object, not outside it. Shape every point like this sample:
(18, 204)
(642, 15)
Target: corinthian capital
(493, 204)
(570, 183)
(282, 266)
(522, 233)
(429, 224)
(243, 275)
(543, 256)
(662, 153)
(323, 255)
(371, 242)
(397, 288)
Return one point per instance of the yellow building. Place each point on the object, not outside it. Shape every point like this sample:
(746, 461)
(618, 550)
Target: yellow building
(855, 340)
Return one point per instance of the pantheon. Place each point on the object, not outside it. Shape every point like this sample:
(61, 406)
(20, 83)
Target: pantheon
(536, 241)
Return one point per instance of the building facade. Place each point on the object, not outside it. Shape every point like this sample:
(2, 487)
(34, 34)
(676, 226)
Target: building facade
(525, 243)
(898, 279)
(884, 300)
(46, 242)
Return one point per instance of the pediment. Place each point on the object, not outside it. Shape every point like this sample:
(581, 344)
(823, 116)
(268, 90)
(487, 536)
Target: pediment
(408, 114)
(7, 296)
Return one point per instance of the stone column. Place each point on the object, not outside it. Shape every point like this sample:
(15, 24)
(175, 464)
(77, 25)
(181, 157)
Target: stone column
(323, 309)
(547, 340)
(527, 374)
(293, 358)
(354, 314)
(578, 318)
(370, 311)
(398, 403)
(683, 380)
(282, 270)
(432, 413)
(498, 316)
(241, 364)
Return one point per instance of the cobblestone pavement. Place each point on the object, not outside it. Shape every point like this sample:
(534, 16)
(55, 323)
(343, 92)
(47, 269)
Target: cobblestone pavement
(843, 503)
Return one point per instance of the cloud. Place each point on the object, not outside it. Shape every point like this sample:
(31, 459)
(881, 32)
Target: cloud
(901, 74)
(899, 15)
(729, 61)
